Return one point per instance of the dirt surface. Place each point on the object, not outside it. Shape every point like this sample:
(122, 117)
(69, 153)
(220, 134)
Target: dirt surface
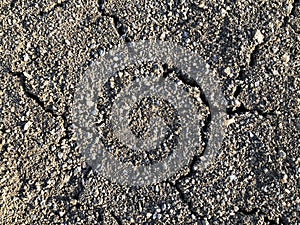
(252, 46)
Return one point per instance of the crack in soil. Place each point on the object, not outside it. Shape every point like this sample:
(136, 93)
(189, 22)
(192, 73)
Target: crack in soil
(30, 95)
(185, 200)
(81, 187)
(293, 12)
(192, 83)
(46, 109)
(116, 22)
(242, 110)
(117, 218)
(118, 26)
(253, 56)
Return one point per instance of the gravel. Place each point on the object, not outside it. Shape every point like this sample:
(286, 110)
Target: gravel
(253, 47)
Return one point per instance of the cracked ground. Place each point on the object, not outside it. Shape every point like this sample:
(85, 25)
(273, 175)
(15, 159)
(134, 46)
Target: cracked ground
(253, 47)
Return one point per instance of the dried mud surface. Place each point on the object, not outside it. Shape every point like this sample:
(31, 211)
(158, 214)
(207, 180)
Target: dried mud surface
(252, 46)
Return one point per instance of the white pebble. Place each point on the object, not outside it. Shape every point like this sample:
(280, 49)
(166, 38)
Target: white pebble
(259, 37)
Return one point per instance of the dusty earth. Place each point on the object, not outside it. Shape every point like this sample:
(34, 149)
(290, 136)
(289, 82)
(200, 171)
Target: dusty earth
(252, 46)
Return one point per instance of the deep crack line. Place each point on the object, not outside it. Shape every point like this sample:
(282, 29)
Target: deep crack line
(39, 102)
(116, 23)
(118, 26)
(117, 218)
(100, 5)
(185, 200)
(192, 83)
(30, 95)
(81, 186)
(242, 110)
(253, 56)
(13, 4)
(295, 4)
(293, 11)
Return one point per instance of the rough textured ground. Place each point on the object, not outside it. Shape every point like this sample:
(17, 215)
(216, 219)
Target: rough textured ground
(253, 47)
